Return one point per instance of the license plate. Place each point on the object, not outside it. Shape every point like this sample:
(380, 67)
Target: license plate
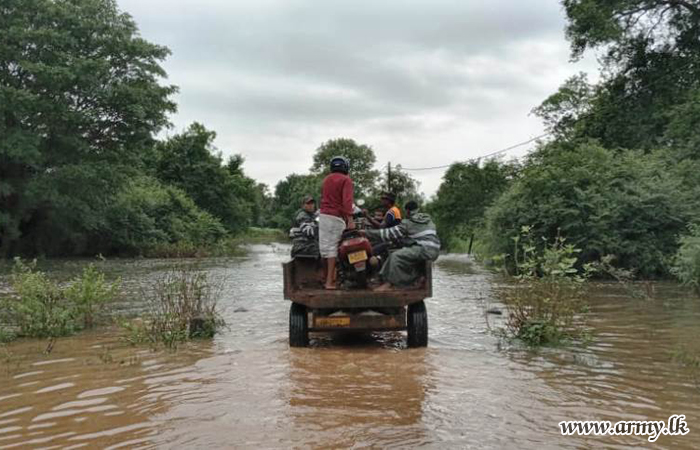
(357, 257)
(331, 322)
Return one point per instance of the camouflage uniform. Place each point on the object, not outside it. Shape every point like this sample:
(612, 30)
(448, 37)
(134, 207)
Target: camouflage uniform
(304, 235)
(419, 243)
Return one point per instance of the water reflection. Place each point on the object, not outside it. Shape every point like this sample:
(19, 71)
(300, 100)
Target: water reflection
(359, 396)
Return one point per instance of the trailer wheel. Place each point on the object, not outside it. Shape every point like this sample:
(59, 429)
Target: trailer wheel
(417, 325)
(298, 326)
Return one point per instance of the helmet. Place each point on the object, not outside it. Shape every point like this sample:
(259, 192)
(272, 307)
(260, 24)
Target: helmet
(340, 164)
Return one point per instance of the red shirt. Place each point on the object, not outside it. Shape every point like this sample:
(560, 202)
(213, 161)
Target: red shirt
(337, 195)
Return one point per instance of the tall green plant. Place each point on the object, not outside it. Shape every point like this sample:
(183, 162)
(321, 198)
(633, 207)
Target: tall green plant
(183, 304)
(548, 293)
(39, 307)
(88, 293)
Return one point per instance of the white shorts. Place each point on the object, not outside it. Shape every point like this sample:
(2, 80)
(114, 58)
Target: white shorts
(330, 230)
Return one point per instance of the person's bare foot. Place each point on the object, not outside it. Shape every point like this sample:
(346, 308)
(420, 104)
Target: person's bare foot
(330, 287)
(383, 288)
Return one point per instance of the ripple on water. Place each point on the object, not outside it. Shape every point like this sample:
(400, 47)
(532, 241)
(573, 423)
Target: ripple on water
(247, 388)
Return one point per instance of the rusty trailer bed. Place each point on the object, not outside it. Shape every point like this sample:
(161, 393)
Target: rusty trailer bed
(302, 285)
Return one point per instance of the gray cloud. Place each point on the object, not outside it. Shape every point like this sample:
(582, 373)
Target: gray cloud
(418, 80)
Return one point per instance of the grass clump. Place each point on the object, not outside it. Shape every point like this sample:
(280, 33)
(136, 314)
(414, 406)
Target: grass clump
(548, 294)
(40, 307)
(182, 305)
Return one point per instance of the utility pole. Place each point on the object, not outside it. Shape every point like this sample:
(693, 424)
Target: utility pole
(388, 177)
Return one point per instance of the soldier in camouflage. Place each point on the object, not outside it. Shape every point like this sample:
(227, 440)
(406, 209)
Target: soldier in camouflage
(419, 242)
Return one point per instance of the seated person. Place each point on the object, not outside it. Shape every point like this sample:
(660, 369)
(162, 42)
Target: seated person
(417, 237)
(392, 216)
(378, 215)
(304, 232)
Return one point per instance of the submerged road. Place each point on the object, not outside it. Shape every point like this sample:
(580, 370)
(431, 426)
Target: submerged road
(248, 389)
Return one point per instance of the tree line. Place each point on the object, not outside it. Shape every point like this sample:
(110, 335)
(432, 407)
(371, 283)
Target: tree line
(620, 173)
(83, 169)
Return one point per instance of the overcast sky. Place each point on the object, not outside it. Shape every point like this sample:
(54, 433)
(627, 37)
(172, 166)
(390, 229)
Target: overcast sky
(423, 82)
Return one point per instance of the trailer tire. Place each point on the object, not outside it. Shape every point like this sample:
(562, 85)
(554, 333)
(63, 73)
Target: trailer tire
(417, 325)
(298, 326)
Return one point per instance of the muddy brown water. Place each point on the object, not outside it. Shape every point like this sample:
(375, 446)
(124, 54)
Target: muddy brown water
(248, 389)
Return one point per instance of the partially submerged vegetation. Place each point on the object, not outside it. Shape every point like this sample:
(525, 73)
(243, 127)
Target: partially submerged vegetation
(548, 293)
(181, 305)
(42, 308)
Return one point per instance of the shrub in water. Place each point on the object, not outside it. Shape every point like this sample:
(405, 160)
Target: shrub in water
(182, 305)
(548, 292)
(88, 293)
(40, 307)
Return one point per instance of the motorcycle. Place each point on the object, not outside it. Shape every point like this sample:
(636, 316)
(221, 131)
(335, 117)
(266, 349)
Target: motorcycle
(354, 253)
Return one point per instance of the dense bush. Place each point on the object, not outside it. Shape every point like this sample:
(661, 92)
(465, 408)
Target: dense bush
(147, 214)
(81, 104)
(190, 162)
(88, 293)
(626, 204)
(686, 263)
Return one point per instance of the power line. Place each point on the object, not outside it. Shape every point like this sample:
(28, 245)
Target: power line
(512, 147)
(583, 116)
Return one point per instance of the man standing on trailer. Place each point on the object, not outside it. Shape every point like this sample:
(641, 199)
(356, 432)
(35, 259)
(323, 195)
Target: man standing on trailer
(336, 214)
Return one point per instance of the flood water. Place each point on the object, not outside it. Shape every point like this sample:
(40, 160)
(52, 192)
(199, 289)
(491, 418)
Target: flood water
(248, 389)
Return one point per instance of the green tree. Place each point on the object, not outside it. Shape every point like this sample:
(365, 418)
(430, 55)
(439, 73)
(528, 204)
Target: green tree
(190, 162)
(467, 189)
(400, 183)
(361, 157)
(80, 98)
(563, 110)
(650, 68)
(621, 24)
(604, 202)
(289, 194)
